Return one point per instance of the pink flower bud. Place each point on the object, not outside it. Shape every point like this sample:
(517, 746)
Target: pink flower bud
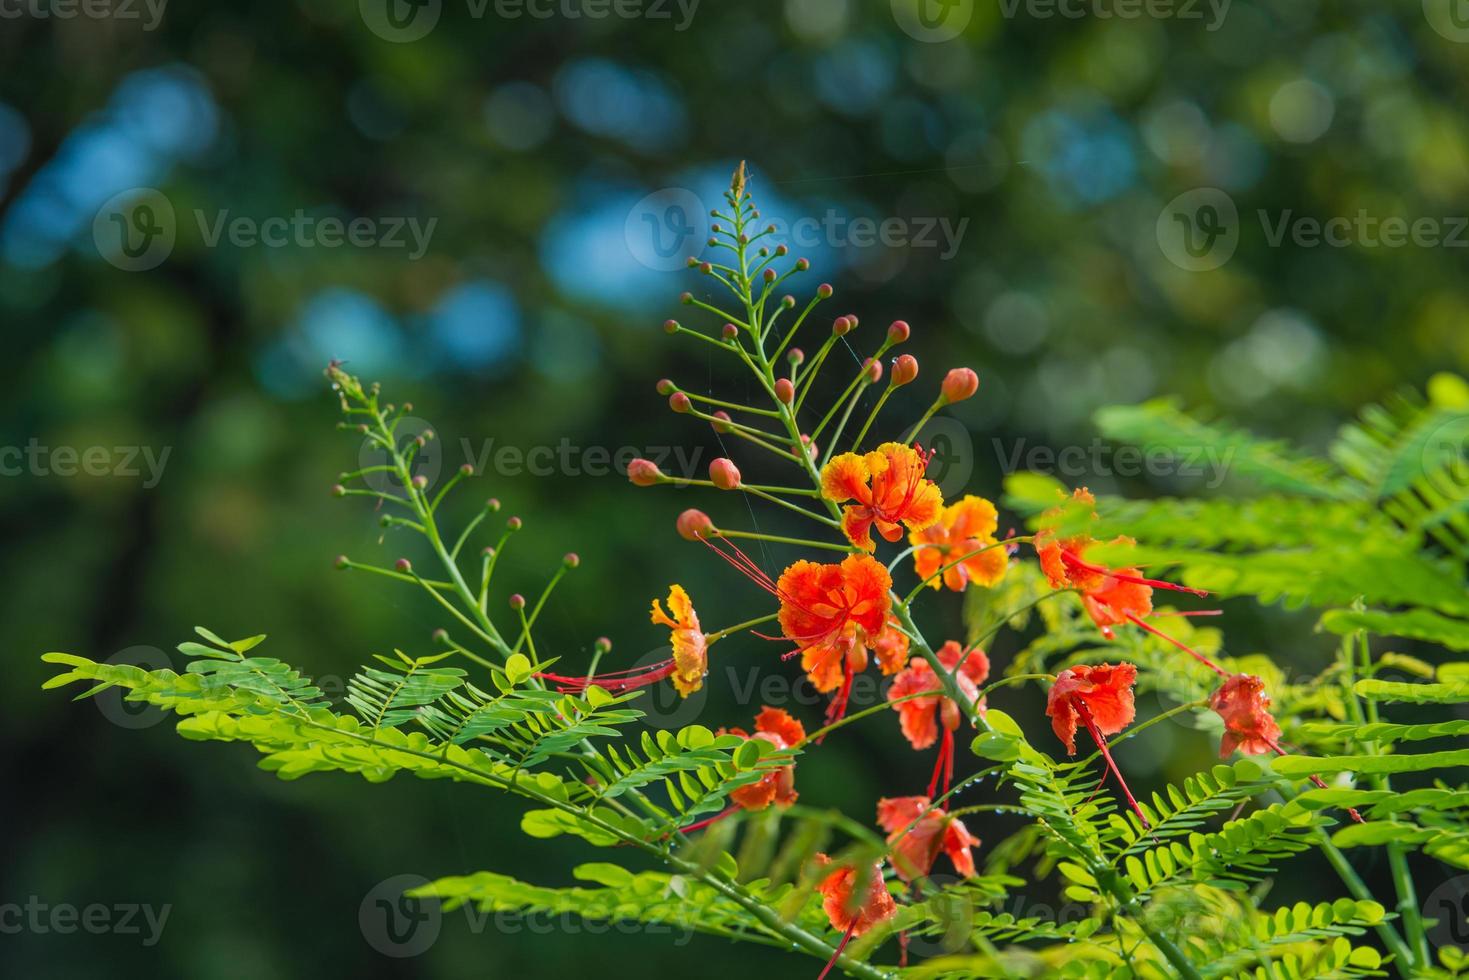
(342, 562)
(493, 503)
(768, 275)
(824, 290)
(785, 391)
(905, 369)
(796, 355)
(724, 474)
(679, 402)
(571, 559)
(420, 481)
(802, 265)
(730, 331)
(705, 268)
(403, 565)
(812, 449)
(842, 325)
(787, 302)
(602, 644)
(693, 524)
(670, 326)
(339, 491)
(644, 472)
(959, 384)
(466, 469)
(872, 367)
(721, 422)
(781, 249)
(687, 299)
(898, 332)
(666, 387)
(517, 601)
(515, 524)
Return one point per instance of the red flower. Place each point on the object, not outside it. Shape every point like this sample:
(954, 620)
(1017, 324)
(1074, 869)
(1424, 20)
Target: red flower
(889, 489)
(1101, 699)
(850, 913)
(964, 527)
(920, 717)
(1112, 597)
(1242, 703)
(779, 787)
(834, 613)
(917, 834)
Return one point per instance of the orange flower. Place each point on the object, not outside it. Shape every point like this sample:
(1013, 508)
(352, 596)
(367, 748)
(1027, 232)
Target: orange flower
(918, 834)
(1111, 596)
(1101, 698)
(1242, 703)
(919, 718)
(690, 649)
(891, 647)
(853, 914)
(963, 527)
(779, 787)
(888, 488)
(834, 613)
(687, 666)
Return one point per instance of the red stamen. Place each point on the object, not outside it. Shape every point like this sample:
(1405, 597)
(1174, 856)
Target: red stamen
(846, 938)
(614, 682)
(1186, 649)
(838, 708)
(1091, 727)
(1087, 566)
(943, 764)
(700, 825)
(1320, 783)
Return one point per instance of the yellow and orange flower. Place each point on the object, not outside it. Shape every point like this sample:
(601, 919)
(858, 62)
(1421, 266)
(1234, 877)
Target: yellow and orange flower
(690, 648)
(963, 527)
(1245, 707)
(833, 613)
(918, 834)
(888, 489)
(779, 786)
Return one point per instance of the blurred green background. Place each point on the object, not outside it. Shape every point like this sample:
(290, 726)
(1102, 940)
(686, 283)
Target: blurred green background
(526, 147)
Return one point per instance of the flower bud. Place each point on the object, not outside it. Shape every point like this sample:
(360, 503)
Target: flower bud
(687, 299)
(724, 474)
(644, 472)
(514, 524)
(802, 265)
(852, 317)
(670, 326)
(730, 331)
(898, 331)
(905, 369)
(466, 469)
(785, 391)
(959, 384)
(693, 524)
(493, 504)
(706, 268)
(517, 601)
(721, 422)
(781, 250)
(342, 562)
(872, 367)
(812, 449)
(420, 481)
(824, 290)
(788, 302)
(679, 402)
(796, 355)
(768, 275)
(403, 565)
(602, 645)
(339, 491)
(487, 551)
(666, 387)
(571, 559)
(440, 635)
(842, 325)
